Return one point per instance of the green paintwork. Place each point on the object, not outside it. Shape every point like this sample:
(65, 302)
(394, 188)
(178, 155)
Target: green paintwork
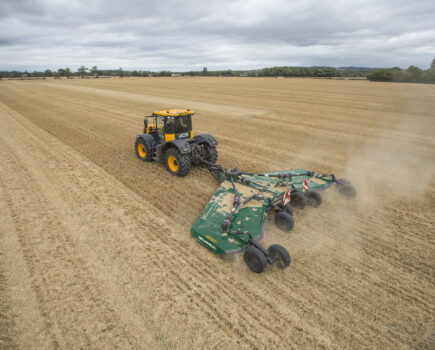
(252, 216)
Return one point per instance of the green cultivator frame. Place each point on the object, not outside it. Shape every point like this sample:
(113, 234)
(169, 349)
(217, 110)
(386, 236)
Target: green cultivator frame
(235, 219)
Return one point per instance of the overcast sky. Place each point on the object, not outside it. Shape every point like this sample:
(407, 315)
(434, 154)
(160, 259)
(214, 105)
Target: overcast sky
(192, 34)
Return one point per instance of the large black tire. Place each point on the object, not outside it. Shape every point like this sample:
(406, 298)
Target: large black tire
(298, 199)
(177, 163)
(143, 152)
(314, 199)
(284, 221)
(255, 259)
(279, 255)
(286, 208)
(211, 153)
(346, 188)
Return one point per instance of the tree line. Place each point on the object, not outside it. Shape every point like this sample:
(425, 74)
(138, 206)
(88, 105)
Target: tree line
(83, 72)
(411, 75)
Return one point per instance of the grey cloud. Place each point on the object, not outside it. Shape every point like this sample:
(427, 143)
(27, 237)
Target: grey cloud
(184, 35)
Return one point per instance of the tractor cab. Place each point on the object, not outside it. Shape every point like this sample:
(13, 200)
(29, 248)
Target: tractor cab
(170, 124)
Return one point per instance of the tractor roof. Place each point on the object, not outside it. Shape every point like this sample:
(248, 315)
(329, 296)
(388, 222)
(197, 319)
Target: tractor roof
(175, 112)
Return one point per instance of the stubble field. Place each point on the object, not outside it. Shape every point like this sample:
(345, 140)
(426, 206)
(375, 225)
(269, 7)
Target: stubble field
(95, 249)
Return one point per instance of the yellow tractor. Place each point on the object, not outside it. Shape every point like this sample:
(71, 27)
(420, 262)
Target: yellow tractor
(168, 138)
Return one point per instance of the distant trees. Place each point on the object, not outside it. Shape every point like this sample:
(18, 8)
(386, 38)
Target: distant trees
(120, 72)
(94, 71)
(82, 71)
(411, 75)
(381, 75)
(299, 72)
(396, 74)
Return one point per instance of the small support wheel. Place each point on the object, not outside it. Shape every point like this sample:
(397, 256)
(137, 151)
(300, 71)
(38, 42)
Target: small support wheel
(298, 199)
(286, 208)
(284, 221)
(314, 199)
(255, 259)
(279, 255)
(346, 188)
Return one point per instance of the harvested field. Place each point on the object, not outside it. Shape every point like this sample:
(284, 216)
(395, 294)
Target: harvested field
(95, 249)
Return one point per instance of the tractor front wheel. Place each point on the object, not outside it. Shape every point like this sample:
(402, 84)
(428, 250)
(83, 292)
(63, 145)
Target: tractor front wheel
(143, 152)
(177, 163)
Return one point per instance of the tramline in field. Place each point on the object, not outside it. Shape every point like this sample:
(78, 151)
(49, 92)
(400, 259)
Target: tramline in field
(234, 221)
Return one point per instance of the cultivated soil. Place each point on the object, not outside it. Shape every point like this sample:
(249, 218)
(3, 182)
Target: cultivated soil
(95, 248)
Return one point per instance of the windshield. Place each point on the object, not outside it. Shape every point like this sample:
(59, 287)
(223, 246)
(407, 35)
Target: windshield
(177, 125)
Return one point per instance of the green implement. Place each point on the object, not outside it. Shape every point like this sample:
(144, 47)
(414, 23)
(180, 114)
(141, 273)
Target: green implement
(234, 220)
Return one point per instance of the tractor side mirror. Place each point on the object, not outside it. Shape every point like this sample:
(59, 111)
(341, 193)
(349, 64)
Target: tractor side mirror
(145, 124)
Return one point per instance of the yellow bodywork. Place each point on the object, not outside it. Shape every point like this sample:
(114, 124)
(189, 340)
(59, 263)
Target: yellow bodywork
(174, 112)
(169, 137)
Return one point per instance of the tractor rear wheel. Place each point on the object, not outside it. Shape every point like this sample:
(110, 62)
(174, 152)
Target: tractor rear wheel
(143, 152)
(279, 255)
(211, 153)
(284, 221)
(177, 163)
(255, 259)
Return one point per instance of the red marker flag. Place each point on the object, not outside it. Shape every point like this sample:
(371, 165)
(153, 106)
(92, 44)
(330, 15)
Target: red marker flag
(306, 184)
(286, 198)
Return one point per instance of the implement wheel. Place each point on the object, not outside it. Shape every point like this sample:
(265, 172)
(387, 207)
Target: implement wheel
(279, 256)
(255, 260)
(346, 188)
(286, 208)
(177, 163)
(284, 221)
(298, 199)
(313, 198)
(142, 150)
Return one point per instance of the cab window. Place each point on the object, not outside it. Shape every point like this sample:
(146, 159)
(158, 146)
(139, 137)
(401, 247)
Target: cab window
(183, 124)
(170, 125)
(160, 124)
